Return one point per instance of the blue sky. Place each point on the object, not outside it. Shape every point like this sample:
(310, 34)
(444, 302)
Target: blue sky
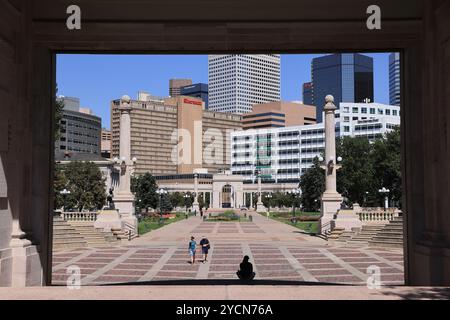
(98, 79)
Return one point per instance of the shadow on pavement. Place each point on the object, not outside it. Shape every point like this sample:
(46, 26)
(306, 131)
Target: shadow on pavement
(412, 293)
(226, 282)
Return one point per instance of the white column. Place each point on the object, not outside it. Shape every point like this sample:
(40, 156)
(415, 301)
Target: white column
(124, 199)
(195, 204)
(259, 205)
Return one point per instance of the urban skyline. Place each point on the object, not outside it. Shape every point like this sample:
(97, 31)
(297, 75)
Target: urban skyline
(92, 79)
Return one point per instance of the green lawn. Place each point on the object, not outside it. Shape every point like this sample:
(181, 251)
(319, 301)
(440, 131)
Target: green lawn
(307, 226)
(152, 223)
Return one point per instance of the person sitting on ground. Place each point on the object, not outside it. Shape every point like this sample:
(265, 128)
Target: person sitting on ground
(246, 270)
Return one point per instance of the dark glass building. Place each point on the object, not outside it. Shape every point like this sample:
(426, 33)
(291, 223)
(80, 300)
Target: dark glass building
(307, 93)
(346, 76)
(394, 79)
(198, 90)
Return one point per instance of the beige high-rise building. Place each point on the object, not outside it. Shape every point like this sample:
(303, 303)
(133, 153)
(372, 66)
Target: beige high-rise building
(106, 143)
(176, 136)
(279, 114)
(176, 84)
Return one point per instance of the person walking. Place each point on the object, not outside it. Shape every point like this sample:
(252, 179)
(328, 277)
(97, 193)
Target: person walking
(246, 270)
(192, 248)
(205, 248)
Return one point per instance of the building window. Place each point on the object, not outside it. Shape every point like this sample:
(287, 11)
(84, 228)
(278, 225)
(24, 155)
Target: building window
(363, 110)
(372, 110)
(355, 109)
(346, 129)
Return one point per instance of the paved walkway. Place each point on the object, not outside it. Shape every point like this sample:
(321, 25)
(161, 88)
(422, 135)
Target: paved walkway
(278, 252)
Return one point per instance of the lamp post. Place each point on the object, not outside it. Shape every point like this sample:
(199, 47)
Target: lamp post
(186, 196)
(296, 192)
(64, 193)
(161, 192)
(366, 194)
(268, 203)
(385, 192)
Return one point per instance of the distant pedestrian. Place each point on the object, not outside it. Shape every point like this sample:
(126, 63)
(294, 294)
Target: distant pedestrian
(246, 270)
(192, 248)
(205, 248)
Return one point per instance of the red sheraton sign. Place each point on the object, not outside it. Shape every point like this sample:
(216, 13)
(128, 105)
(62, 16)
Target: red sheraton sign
(189, 101)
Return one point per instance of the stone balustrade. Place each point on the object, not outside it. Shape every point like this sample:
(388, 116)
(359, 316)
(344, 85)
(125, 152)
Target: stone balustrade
(79, 216)
(377, 216)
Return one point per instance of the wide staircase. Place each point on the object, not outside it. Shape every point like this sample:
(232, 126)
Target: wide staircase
(363, 236)
(391, 235)
(94, 237)
(65, 236)
(78, 234)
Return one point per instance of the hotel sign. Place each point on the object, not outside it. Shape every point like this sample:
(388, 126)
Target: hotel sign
(189, 101)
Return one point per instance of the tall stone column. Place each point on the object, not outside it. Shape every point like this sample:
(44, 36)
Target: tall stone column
(331, 199)
(124, 199)
(195, 204)
(259, 205)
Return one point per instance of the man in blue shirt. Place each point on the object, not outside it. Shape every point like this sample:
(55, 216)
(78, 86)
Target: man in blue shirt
(192, 248)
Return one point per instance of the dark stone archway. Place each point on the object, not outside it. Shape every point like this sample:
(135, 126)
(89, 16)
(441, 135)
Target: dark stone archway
(31, 32)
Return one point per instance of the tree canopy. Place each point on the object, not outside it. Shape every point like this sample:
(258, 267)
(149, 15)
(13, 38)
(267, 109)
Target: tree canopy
(144, 188)
(86, 184)
(366, 168)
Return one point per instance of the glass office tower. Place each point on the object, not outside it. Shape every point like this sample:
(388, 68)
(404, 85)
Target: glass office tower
(347, 76)
(394, 79)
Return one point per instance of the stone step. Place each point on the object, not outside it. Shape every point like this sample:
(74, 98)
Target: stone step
(68, 241)
(387, 238)
(386, 244)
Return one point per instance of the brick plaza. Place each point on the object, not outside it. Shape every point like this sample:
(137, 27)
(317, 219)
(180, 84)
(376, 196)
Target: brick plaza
(278, 252)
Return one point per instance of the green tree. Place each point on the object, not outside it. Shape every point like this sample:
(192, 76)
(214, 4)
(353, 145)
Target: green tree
(356, 175)
(165, 204)
(60, 183)
(312, 184)
(86, 184)
(144, 188)
(386, 160)
(59, 106)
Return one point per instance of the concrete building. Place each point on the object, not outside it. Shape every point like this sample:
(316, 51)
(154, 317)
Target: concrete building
(279, 114)
(106, 143)
(307, 93)
(176, 84)
(80, 130)
(197, 90)
(239, 81)
(176, 136)
(348, 77)
(394, 78)
(284, 154)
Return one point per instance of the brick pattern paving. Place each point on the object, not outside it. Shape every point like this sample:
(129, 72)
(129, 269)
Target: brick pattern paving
(271, 261)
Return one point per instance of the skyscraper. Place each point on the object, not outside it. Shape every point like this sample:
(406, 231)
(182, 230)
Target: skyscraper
(394, 78)
(176, 84)
(346, 76)
(307, 93)
(198, 90)
(237, 82)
